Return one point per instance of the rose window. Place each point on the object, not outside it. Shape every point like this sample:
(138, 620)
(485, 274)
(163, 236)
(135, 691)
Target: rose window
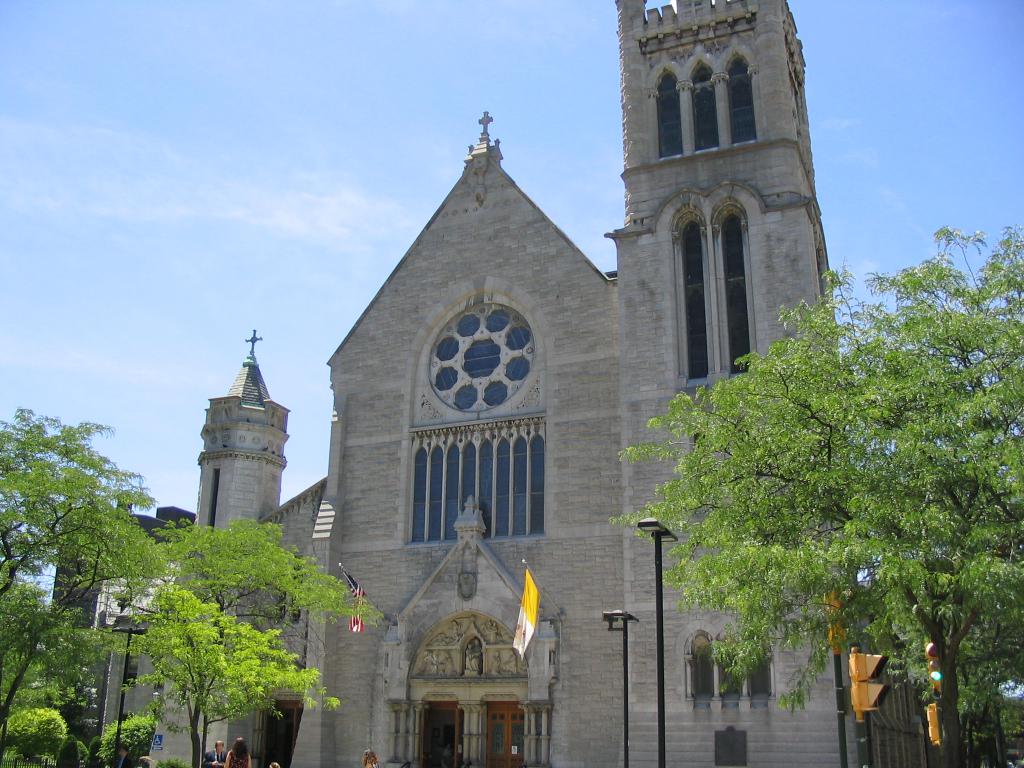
(481, 357)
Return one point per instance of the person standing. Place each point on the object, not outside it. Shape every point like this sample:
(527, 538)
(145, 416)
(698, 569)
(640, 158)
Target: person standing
(238, 757)
(122, 760)
(215, 758)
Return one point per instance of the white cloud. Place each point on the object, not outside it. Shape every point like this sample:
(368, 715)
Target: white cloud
(108, 174)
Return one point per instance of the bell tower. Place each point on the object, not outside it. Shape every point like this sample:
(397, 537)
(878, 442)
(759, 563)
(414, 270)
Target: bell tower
(243, 450)
(722, 226)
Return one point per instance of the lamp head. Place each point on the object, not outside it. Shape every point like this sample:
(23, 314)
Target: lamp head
(654, 527)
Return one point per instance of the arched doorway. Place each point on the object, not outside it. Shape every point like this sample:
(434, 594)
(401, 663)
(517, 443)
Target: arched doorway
(467, 700)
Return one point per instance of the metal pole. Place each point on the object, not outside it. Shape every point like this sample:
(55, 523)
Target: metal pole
(659, 611)
(120, 704)
(625, 693)
(837, 667)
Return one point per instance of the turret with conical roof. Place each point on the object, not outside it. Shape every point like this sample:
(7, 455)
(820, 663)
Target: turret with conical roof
(243, 450)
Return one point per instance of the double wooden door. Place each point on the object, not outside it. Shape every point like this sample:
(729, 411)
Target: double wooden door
(506, 731)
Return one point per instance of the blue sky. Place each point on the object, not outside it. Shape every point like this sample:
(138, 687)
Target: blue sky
(173, 175)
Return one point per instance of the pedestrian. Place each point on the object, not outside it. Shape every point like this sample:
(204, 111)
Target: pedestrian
(238, 756)
(370, 759)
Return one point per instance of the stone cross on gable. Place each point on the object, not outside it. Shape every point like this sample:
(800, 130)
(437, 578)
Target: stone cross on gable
(252, 343)
(485, 121)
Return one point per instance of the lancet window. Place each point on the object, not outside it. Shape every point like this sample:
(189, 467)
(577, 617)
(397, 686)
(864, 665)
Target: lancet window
(500, 465)
(735, 290)
(670, 126)
(705, 113)
(741, 102)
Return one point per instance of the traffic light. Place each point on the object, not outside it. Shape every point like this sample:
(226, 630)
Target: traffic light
(934, 729)
(865, 695)
(931, 655)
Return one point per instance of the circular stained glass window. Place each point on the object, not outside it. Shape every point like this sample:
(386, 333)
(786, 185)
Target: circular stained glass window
(481, 357)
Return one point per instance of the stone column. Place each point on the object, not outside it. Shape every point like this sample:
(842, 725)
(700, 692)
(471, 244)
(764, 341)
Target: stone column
(720, 80)
(531, 742)
(417, 732)
(685, 88)
(755, 89)
(714, 286)
(396, 732)
(545, 734)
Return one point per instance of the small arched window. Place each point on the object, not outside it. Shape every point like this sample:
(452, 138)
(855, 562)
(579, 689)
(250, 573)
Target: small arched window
(702, 667)
(735, 290)
(693, 300)
(419, 495)
(761, 680)
(705, 114)
(741, 102)
(670, 126)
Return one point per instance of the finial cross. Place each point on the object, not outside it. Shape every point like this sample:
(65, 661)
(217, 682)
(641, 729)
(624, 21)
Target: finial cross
(252, 343)
(485, 121)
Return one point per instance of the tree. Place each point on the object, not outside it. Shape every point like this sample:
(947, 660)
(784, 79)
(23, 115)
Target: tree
(64, 508)
(36, 732)
(218, 633)
(875, 454)
(136, 734)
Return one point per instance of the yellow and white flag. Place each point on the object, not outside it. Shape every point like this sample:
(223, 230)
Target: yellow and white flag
(527, 623)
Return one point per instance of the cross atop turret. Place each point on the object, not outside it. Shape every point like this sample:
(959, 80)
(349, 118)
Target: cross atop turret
(485, 121)
(254, 338)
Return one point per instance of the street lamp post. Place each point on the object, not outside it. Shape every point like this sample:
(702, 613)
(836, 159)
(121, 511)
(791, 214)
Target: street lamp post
(614, 617)
(128, 630)
(658, 532)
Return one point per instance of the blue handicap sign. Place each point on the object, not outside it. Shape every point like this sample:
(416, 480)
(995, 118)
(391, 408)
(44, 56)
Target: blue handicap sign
(158, 742)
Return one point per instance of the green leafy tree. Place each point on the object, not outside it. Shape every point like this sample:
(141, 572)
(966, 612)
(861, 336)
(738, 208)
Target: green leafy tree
(218, 634)
(136, 734)
(63, 508)
(36, 732)
(876, 454)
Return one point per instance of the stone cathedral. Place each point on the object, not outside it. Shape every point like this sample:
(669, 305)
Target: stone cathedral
(490, 434)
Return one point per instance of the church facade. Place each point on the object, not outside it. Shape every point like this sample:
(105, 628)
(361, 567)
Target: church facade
(480, 405)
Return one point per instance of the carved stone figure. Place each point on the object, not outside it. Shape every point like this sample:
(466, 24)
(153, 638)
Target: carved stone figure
(474, 658)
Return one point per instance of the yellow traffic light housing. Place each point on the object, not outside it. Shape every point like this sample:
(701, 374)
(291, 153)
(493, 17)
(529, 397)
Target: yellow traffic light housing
(931, 655)
(866, 696)
(934, 728)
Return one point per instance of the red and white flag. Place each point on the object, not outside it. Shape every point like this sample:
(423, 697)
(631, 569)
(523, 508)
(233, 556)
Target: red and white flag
(355, 621)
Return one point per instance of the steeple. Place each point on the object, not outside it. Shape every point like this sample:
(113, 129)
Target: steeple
(243, 449)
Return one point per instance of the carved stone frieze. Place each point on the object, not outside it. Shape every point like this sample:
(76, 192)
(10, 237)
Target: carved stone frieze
(469, 645)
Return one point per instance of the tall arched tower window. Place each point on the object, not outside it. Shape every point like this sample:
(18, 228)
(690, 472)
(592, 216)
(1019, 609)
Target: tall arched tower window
(705, 115)
(735, 290)
(694, 302)
(670, 126)
(741, 102)
(702, 668)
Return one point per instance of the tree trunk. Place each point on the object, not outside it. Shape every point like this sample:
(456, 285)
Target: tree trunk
(952, 744)
(197, 744)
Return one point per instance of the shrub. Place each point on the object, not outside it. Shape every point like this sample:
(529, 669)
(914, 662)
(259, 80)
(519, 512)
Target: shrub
(36, 732)
(71, 753)
(174, 762)
(136, 733)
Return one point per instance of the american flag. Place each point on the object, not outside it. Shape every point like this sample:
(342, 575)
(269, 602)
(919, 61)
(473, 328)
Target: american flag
(355, 622)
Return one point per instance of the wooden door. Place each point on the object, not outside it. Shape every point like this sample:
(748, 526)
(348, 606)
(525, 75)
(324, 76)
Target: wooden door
(506, 730)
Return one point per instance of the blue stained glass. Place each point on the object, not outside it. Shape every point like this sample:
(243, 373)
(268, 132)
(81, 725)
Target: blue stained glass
(447, 348)
(419, 495)
(468, 472)
(517, 368)
(495, 393)
(518, 337)
(486, 500)
(446, 379)
(537, 485)
(465, 398)
(497, 320)
(451, 493)
(468, 325)
(436, 483)
(519, 487)
(481, 358)
(501, 502)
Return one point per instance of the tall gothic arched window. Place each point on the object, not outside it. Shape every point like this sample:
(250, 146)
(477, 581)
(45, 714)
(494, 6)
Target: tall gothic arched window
(693, 300)
(735, 290)
(670, 126)
(741, 102)
(705, 114)
(702, 668)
